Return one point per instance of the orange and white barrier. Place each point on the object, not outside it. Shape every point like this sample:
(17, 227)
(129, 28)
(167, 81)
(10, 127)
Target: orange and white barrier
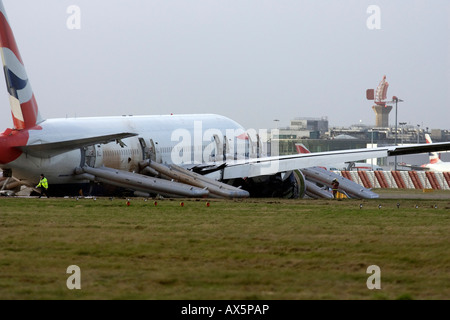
(399, 179)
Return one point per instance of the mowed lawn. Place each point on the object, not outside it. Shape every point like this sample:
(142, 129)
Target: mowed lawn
(248, 249)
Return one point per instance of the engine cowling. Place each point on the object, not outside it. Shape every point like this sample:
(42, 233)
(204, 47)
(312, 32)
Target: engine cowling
(274, 186)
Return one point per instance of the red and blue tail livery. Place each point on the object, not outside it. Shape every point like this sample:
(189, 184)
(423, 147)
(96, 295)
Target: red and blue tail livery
(24, 108)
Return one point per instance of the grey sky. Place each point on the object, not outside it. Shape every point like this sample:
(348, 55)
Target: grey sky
(251, 60)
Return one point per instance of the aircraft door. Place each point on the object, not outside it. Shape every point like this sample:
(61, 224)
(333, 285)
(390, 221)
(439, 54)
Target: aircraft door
(154, 152)
(146, 154)
(98, 155)
(259, 147)
(89, 156)
(217, 153)
(225, 148)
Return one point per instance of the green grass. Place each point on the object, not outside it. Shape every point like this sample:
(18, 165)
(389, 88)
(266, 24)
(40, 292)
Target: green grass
(249, 249)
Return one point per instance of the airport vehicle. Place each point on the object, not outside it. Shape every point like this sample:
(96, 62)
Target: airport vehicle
(190, 155)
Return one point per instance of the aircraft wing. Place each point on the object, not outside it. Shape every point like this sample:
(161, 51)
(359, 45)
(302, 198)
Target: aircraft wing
(272, 165)
(44, 150)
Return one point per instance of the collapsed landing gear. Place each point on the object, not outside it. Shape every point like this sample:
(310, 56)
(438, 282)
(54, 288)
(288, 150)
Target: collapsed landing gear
(292, 187)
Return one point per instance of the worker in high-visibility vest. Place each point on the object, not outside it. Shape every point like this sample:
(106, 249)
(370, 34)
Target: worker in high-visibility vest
(335, 188)
(43, 186)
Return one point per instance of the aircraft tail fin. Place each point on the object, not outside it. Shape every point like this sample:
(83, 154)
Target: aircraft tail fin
(300, 147)
(434, 156)
(23, 104)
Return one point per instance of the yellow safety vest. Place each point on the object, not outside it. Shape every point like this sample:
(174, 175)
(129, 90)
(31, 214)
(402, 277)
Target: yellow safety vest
(43, 183)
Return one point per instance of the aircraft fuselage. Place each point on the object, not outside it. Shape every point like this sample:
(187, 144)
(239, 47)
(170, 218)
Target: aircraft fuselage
(179, 139)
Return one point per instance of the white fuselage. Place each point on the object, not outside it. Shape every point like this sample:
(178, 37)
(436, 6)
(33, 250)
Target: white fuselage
(179, 139)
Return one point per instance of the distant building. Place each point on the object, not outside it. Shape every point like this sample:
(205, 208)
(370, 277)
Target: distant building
(305, 127)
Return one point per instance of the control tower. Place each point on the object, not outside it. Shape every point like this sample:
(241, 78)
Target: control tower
(380, 107)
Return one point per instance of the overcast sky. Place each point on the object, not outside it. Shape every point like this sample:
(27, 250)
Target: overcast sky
(251, 60)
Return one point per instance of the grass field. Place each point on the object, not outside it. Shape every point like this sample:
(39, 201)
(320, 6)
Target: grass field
(248, 249)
